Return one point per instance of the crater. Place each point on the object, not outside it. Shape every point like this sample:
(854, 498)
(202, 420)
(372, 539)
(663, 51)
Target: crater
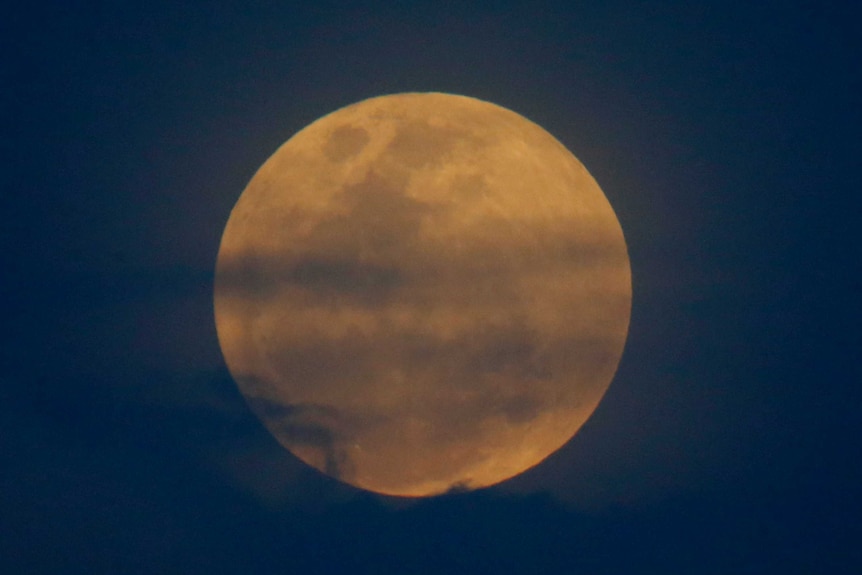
(419, 144)
(469, 186)
(345, 142)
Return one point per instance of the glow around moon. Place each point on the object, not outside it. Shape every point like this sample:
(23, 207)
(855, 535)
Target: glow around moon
(422, 292)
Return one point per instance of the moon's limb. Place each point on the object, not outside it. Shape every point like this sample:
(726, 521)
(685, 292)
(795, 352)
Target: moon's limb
(422, 292)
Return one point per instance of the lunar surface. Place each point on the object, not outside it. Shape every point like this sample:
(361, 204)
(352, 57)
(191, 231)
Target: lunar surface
(421, 293)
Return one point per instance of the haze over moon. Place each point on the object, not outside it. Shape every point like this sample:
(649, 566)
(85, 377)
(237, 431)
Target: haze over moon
(422, 292)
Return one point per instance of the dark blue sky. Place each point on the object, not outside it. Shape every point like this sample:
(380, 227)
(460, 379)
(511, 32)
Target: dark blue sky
(725, 135)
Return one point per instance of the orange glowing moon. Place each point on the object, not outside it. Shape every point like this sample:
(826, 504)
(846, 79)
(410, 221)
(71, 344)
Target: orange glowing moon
(422, 292)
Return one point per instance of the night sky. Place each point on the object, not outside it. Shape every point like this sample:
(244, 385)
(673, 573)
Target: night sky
(726, 137)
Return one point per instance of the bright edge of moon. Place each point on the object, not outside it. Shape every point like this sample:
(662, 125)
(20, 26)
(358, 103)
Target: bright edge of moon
(421, 293)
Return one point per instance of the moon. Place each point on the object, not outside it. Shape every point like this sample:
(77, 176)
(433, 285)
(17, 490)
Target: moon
(422, 293)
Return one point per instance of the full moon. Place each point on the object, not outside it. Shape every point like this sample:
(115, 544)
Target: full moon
(421, 293)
